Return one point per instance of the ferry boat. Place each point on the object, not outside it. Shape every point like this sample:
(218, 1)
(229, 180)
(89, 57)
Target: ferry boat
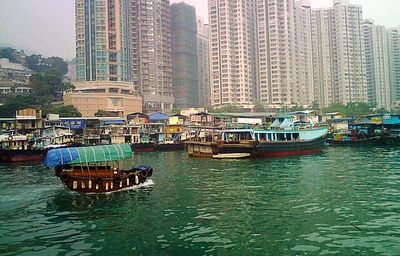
(272, 143)
(96, 169)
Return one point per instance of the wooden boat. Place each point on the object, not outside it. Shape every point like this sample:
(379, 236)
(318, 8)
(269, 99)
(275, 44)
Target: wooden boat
(96, 169)
(231, 155)
(170, 145)
(202, 142)
(19, 149)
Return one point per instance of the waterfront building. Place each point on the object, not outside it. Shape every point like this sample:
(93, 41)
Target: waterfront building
(377, 65)
(232, 52)
(203, 62)
(339, 58)
(151, 61)
(103, 70)
(184, 55)
(394, 53)
(117, 98)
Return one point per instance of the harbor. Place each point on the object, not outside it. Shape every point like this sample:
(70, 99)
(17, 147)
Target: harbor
(200, 184)
(341, 201)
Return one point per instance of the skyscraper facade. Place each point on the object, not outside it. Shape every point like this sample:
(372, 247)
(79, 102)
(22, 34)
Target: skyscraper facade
(284, 52)
(394, 62)
(184, 55)
(338, 54)
(102, 43)
(377, 64)
(103, 70)
(324, 68)
(232, 48)
(351, 73)
(203, 63)
(151, 60)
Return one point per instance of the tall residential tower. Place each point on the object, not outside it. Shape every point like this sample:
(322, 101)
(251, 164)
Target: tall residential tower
(150, 43)
(103, 70)
(184, 55)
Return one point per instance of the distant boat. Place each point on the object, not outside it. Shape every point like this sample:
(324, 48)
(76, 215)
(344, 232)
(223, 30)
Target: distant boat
(17, 148)
(96, 169)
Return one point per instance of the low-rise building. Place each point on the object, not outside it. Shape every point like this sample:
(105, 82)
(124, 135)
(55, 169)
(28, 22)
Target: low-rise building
(113, 97)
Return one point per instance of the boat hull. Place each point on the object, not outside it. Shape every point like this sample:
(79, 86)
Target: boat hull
(201, 149)
(289, 148)
(100, 181)
(170, 147)
(22, 155)
(143, 147)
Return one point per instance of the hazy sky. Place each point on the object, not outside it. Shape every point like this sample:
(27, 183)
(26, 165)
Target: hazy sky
(47, 26)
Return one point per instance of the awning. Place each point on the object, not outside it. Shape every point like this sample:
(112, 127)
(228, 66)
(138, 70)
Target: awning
(108, 122)
(80, 155)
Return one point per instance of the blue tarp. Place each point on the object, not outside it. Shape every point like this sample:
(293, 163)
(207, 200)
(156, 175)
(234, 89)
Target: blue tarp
(122, 122)
(80, 155)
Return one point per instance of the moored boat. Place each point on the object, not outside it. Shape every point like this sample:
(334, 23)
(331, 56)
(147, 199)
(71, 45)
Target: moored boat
(19, 149)
(273, 143)
(96, 169)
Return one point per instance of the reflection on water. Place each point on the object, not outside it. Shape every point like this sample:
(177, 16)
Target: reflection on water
(344, 201)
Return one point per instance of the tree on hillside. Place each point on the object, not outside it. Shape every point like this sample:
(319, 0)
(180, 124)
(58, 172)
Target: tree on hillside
(8, 53)
(48, 84)
(39, 64)
(15, 103)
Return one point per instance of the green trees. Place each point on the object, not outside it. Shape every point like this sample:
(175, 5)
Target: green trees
(351, 109)
(37, 63)
(8, 53)
(49, 83)
(65, 111)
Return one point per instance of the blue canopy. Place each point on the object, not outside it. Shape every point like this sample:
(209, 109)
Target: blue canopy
(80, 155)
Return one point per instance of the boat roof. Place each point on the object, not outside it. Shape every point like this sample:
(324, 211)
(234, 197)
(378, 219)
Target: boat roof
(81, 155)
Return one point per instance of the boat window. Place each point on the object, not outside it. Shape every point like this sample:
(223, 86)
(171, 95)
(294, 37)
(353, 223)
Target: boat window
(269, 136)
(280, 136)
(263, 136)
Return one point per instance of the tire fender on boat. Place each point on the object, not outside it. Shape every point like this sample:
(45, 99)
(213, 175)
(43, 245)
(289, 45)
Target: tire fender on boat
(117, 179)
(64, 177)
(150, 172)
(99, 180)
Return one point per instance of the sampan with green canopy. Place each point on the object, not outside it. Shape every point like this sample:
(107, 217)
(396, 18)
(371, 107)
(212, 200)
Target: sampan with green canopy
(81, 155)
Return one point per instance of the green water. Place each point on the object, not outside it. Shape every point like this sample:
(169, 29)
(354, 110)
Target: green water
(345, 201)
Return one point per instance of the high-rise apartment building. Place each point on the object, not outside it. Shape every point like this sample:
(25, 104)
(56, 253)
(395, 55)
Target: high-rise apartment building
(261, 51)
(184, 55)
(324, 68)
(394, 53)
(351, 73)
(284, 52)
(339, 58)
(232, 48)
(102, 59)
(377, 64)
(102, 46)
(151, 61)
(203, 63)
